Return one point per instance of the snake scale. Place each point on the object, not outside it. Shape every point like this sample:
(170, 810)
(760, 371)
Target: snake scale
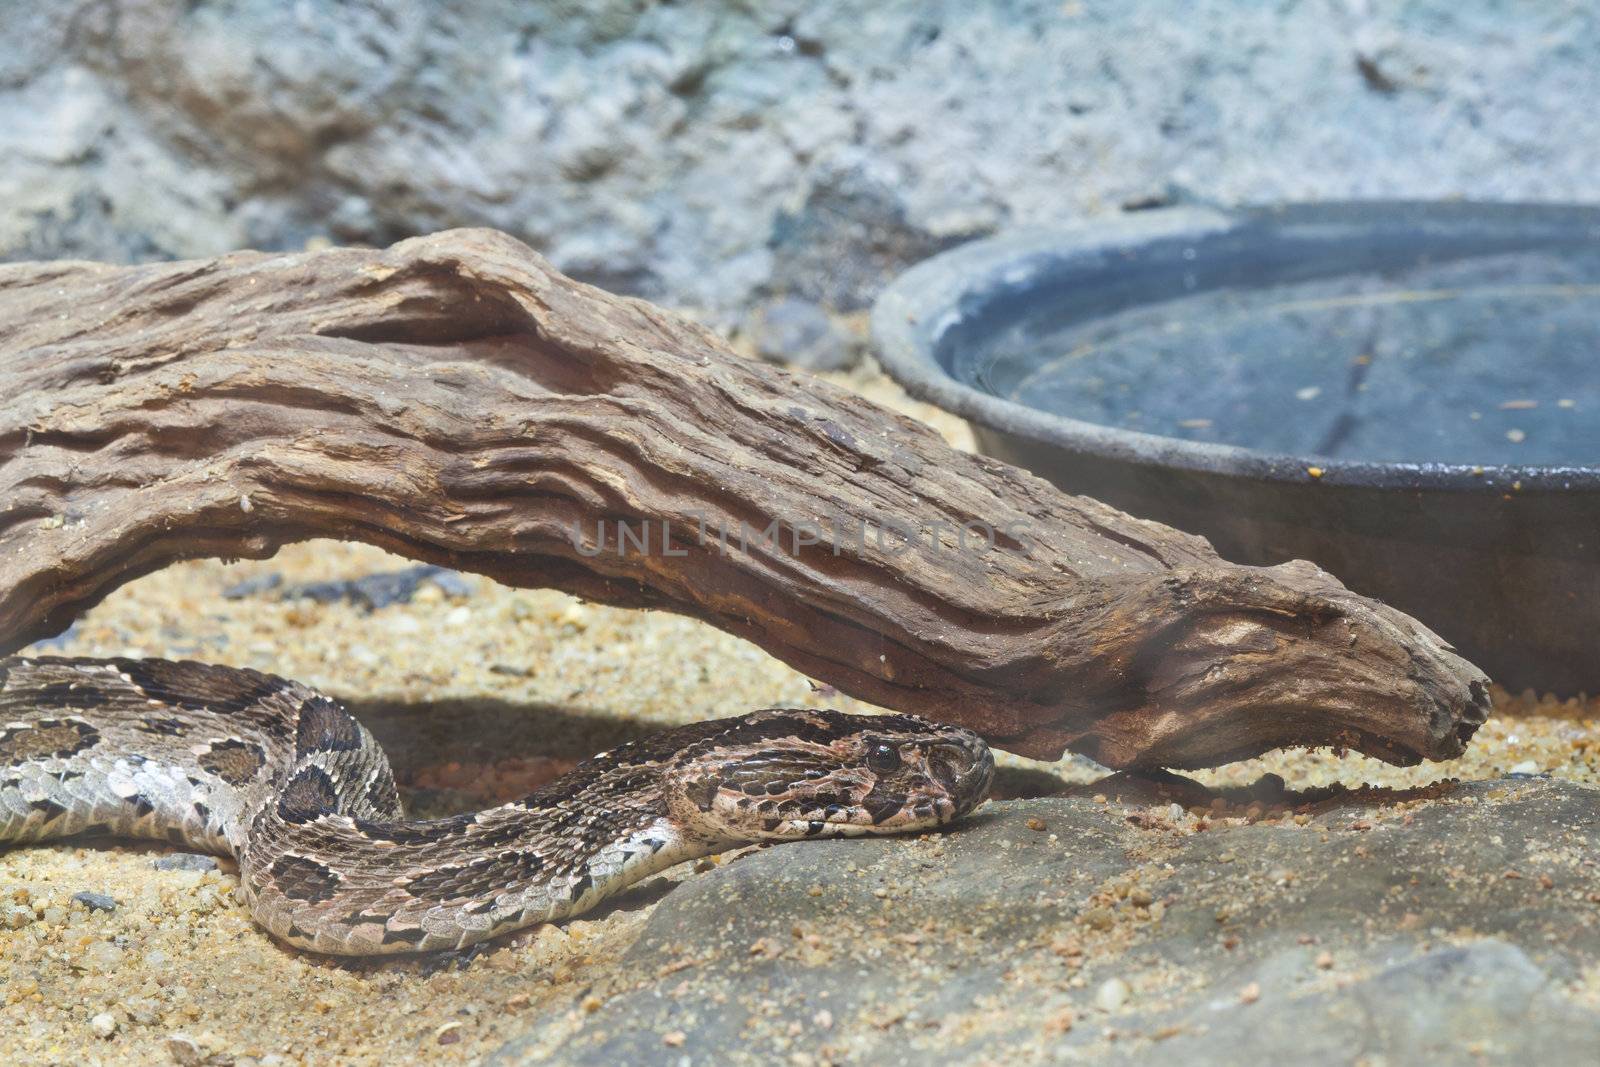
(280, 777)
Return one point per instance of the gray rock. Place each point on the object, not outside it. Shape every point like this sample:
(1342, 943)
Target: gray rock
(708, 153)
(184, 861)
(96, 901)
(800, 333)
(452, 584)
(851, 235)
(1442, 933)
(374, 591)
(261, 583)
(1453, 1004)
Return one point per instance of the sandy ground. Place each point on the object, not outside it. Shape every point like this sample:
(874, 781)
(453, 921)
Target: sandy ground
(477, 697)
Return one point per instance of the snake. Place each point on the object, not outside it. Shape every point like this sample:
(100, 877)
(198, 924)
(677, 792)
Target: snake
(281, 778)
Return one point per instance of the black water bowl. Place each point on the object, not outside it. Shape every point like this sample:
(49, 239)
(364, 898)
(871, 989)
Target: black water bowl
(1406, 393)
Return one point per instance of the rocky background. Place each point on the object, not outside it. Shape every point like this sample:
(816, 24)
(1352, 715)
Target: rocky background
(763, 163)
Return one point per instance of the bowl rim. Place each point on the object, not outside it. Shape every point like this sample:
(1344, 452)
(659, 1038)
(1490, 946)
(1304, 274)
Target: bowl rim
(911, 315)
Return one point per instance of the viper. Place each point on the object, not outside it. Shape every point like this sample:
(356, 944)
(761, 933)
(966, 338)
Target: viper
(281, 778)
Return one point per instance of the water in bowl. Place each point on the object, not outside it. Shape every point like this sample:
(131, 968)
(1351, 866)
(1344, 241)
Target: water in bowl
(1491, 360)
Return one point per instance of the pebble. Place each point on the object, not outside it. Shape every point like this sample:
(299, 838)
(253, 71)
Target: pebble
(184, 861)
(103, 1025)
(15, 916)
(1061, 1022)
(1112, 994)
(1525, 767)
(184, 1050)
(103, 956)
(96, 901)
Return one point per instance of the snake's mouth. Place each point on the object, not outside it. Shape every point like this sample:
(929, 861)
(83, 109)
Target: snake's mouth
(883, 815)
(941, 813)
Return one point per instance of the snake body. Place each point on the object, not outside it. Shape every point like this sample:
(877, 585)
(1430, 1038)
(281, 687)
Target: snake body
(240, 763)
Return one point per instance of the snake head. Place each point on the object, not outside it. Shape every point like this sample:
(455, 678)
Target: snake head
(794, 773)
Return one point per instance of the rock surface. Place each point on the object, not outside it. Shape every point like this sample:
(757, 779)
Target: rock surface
(1455, 925)
(712, 154)
(801, 334)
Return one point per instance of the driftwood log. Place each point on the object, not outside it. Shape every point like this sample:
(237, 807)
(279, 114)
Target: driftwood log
(456, 400)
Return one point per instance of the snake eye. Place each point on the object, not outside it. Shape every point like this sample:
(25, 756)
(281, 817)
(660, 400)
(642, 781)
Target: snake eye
(882, 757)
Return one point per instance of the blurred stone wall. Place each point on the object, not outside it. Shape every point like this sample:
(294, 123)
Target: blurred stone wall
(724, 154)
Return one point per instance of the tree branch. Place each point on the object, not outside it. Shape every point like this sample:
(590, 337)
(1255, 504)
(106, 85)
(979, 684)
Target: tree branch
(456, 400)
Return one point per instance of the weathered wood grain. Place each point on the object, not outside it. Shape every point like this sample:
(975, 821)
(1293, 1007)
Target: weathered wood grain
(456, 400)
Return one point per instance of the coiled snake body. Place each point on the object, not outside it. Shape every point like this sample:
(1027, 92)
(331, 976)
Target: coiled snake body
(280, 777)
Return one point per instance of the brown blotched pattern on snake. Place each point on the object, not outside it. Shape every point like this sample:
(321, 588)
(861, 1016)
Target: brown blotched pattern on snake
(283, 779)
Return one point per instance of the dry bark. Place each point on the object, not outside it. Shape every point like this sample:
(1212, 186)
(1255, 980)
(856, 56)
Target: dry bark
(456, 400)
